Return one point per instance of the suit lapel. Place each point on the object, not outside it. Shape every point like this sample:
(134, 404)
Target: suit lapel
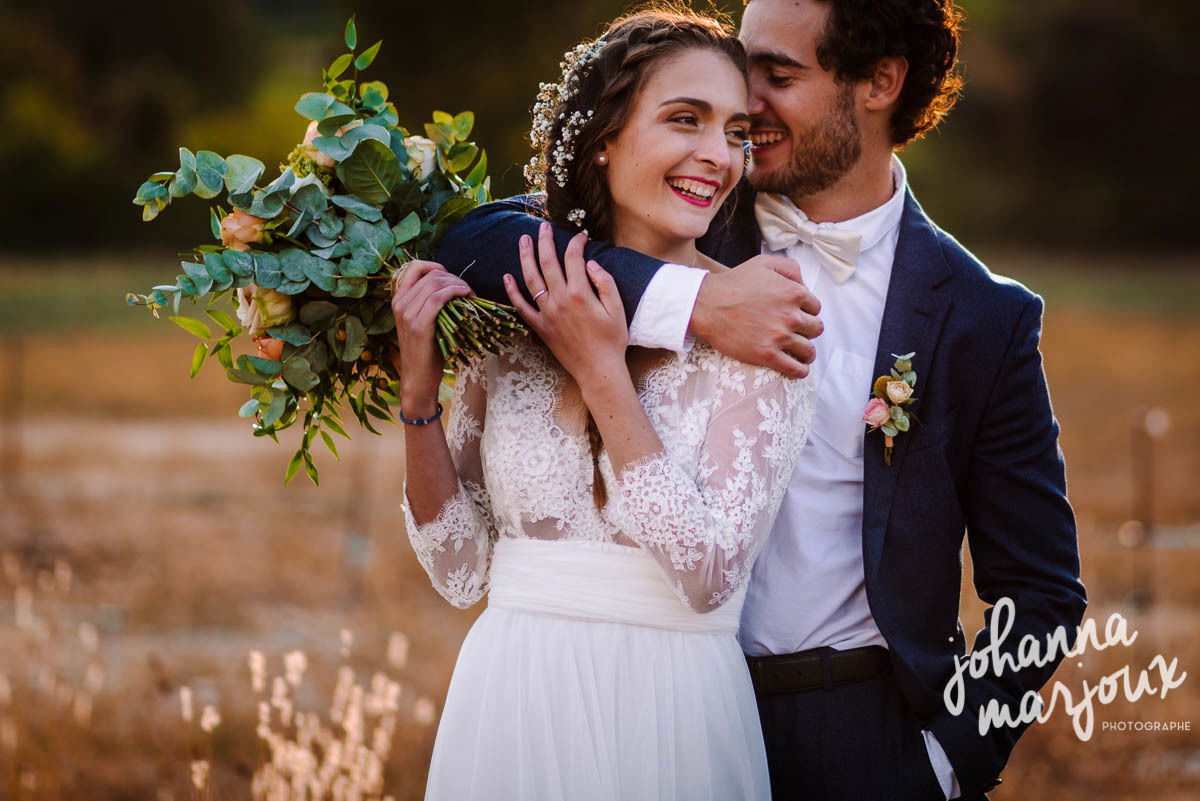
(912, 321)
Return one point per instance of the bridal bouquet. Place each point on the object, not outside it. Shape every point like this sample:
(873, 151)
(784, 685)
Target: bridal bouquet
(306, 259)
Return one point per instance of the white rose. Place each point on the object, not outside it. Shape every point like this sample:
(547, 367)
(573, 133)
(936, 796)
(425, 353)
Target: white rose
(422, 156)
(898, 391)
(260, 309)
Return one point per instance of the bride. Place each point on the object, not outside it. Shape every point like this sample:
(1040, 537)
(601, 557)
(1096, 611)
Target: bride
(608, 500)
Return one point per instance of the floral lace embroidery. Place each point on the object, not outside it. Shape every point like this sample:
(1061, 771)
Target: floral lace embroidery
(702, 507)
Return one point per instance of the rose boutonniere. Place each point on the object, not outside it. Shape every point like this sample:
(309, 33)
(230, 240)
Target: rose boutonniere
(888, 409)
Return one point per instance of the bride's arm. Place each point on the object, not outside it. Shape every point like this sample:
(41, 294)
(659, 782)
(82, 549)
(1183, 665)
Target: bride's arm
(703, 530)
(446, 508)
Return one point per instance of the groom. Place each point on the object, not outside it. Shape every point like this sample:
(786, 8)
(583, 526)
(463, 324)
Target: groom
(851, 622)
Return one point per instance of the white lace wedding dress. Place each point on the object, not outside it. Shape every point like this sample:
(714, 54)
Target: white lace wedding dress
(605, 666)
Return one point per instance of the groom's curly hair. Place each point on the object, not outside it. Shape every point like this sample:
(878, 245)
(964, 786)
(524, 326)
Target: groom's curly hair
(634, 45)
(859, 33)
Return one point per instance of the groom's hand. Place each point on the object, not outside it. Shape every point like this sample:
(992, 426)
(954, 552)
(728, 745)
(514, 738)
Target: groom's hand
(762, 313)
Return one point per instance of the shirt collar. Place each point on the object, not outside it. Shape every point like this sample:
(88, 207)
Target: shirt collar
(879, 221)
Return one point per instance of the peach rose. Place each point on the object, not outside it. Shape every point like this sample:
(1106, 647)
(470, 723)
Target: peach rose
(312, 133)
(898, 391)
(877, 413)
(269, 348)
(239, 230)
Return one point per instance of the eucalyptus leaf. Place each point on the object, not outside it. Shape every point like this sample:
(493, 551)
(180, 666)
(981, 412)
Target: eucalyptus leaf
(374, 240)
(324, 245)
(317, 354)
(210, 169)
(360, 209)
(287, 287)
(314, 105)
(240, 263)
(275, 409)
(316, 312)
(201, 280)
(462, 124)
(359, 265)
(407, 229)
(291, 261)
(356, 339)
(298, 373)
(889, 430)
(249, 408)
(461, 159)
(335, 147)
(241, 173)
(351, 33)
(183, 183)
(268, 367)
(293, 333)
(363, 132)
(214, 265)
(331, 224)
(267, 271)
(350, 288)
(266, 204)
(382, 325)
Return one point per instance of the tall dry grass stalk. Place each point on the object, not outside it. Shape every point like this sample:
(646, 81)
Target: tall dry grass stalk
(51, 672)
(304, 755)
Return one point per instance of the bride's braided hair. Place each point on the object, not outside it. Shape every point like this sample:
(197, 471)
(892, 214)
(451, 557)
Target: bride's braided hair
(601, 80)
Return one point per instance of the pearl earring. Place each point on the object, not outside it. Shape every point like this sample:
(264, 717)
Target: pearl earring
(602, 159)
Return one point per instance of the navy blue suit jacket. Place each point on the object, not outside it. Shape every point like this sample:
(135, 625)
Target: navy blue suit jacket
(984, 460)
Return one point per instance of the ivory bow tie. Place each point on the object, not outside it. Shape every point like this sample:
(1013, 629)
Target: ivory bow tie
(782, 227)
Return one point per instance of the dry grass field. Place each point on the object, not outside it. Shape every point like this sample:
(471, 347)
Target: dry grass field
(148, 536)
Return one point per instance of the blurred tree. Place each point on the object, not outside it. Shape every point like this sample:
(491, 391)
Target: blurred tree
(1067, 133)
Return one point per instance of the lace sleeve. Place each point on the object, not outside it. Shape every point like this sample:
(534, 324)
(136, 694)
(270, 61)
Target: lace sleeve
(705, 520)
(455, 548)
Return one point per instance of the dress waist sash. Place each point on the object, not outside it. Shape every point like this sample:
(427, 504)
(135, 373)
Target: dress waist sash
(597, 581)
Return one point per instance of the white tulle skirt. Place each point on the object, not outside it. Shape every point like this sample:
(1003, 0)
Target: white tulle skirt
(587, 679)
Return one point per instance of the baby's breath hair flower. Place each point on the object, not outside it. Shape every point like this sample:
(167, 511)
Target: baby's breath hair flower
(551, 98)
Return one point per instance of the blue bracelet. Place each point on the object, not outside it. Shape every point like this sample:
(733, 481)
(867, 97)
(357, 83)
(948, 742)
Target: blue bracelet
(421, 421)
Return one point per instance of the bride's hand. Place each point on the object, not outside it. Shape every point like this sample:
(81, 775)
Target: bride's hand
(423, 289)
(577, 312)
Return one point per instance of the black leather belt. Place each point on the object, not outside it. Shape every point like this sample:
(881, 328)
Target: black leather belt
(816, 669)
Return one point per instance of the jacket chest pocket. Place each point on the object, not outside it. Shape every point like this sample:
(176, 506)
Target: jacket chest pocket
(845, 389)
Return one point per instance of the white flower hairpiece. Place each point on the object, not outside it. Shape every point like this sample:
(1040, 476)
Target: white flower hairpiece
(551, 97)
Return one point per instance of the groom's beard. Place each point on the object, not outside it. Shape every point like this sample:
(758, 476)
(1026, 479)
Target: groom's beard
(821, 155)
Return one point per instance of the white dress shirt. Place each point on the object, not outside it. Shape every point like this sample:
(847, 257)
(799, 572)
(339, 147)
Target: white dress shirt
(808, 588)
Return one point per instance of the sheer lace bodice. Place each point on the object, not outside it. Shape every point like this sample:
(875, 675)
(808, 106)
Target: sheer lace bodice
(702, 507)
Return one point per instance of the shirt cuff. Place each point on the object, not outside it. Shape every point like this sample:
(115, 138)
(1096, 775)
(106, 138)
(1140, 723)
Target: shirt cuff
(941, 766)
(662, 316)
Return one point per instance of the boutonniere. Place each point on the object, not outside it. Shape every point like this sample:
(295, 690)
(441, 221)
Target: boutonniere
(891, 396)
